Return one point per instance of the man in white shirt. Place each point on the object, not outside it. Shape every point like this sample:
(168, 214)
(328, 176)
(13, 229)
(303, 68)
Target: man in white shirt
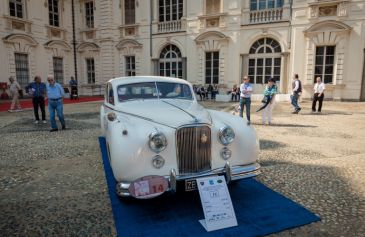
(319, 88)
(296, 92)
(245, 98)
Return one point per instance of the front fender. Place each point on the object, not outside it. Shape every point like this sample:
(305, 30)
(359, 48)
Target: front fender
(244, 148)
(130, 154)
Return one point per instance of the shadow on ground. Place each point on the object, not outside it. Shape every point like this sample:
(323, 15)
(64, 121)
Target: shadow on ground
(269, 144)
(287, 125)
(322, 190)
(27, 125)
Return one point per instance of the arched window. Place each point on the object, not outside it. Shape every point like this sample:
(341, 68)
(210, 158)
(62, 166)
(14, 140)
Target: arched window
(265, 4)
(170, 62)
(264, 61)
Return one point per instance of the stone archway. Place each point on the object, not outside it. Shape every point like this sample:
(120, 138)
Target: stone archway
(21, 63)
(212, 41)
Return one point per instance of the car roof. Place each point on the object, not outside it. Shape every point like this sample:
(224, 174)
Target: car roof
(137, 79)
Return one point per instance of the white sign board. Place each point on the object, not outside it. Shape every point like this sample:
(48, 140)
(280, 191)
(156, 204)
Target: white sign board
(216, 202)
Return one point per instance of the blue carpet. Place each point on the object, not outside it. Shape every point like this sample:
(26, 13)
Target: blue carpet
(259, 210)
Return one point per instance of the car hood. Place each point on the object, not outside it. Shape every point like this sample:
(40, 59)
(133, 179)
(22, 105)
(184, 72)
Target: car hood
(170, 112)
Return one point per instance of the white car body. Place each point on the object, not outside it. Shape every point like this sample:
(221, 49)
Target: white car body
(128, 124)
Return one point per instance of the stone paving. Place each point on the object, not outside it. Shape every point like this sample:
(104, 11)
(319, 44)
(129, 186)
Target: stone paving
(52, 184)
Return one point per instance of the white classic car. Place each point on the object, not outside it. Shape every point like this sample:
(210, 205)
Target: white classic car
(160, 139)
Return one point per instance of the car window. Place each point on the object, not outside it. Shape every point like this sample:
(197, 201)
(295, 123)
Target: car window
(152, 90)
(174, 91)
(144, 90)
(110, 94)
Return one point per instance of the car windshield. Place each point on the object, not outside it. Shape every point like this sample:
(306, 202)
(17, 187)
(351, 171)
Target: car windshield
(152, 90)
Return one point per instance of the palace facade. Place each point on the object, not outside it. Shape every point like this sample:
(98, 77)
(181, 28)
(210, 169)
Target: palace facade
(202, 41)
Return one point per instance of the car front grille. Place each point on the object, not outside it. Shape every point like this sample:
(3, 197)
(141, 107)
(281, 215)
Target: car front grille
(193, 149)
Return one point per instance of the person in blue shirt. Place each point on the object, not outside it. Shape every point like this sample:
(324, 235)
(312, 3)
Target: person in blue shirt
(55, 92)
(245, 98)
(37, 90)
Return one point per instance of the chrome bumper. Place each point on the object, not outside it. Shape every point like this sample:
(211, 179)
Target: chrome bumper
(231, 173)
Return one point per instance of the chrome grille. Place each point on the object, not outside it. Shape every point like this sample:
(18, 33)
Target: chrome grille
(193, 149)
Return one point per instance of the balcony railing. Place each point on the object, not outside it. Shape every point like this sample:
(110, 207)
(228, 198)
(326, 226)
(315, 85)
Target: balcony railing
(267, 15)
(169, 26)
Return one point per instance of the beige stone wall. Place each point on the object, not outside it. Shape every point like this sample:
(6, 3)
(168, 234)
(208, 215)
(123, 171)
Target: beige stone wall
(231, 32)
(33, 36)
(338, 23)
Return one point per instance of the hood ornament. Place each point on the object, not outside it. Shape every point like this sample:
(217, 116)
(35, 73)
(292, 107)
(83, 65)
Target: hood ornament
(204, 138)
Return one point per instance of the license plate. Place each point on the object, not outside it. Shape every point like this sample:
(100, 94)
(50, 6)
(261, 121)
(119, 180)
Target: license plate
(190, 185)
(148, 187)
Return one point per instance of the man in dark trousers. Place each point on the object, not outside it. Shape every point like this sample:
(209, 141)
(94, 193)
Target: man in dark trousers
(296, 92)
(245, 98)
(73, 87)
(37, 90)
(319, 88)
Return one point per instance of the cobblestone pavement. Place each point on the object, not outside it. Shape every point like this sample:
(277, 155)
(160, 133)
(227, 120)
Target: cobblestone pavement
(52, 184)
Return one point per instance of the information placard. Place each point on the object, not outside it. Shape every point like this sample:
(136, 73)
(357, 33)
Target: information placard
(216, 202)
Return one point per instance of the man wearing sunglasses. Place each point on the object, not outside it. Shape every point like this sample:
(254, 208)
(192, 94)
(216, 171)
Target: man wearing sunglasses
(55, 93)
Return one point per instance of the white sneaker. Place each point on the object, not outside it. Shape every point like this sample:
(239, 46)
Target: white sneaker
(18, 110)
(36, 122)
(44, 121)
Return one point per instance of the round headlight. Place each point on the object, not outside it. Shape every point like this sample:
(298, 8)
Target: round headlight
(111, 116)
(226, 135)
(226, 153)
(157, 142)
(158, 162)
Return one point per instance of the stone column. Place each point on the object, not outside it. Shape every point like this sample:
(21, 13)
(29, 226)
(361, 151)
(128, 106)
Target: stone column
(244, 66)
(185, 15)
(155, 15)
(155, 67)
(184, 68)
(284, 73)
(246, 5)
(246, 12)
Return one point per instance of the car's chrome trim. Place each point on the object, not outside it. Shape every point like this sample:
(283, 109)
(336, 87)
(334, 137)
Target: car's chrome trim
(172, 180)
(139, 116)
(231, 173)
(228, 172)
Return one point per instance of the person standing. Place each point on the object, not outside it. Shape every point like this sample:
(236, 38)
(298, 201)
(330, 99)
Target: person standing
(55, 92)
(215, 91)
(318, 95)
(73, 88)
(296, 92)
(245, 98)
(202, 93)
(269, 95)
(14, 93)
(37, 90)
(210, 91)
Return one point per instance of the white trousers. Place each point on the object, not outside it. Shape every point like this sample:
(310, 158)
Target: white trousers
(267, 112)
